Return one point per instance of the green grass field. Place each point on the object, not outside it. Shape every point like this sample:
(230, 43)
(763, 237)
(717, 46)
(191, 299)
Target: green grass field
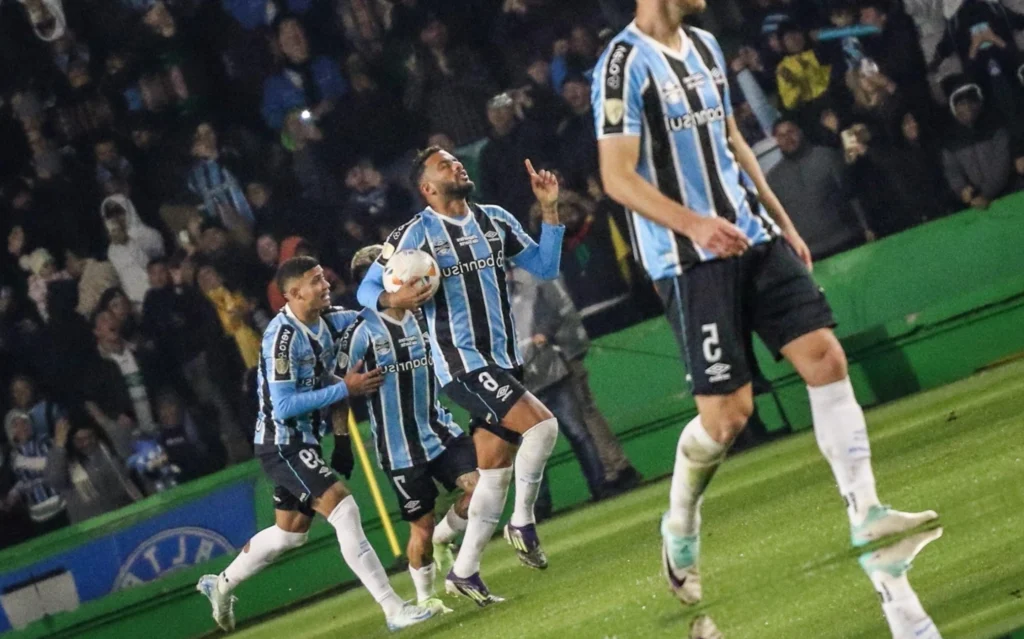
(776, 556)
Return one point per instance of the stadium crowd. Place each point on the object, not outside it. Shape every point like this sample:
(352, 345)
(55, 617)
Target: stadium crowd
(160, 158)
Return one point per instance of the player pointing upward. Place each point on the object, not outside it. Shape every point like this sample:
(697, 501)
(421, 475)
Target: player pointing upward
(727, 261)
(474, 347)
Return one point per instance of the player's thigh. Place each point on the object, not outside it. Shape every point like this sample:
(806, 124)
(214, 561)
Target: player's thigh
(456, 466)
(497, 401)
(716, 334)
(788, 305)
(301, 477)
(818, 357)
(416, 492)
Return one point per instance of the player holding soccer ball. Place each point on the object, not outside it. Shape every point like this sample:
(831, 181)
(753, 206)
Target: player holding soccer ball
(416, 440)
(727, 261)
(473, 343)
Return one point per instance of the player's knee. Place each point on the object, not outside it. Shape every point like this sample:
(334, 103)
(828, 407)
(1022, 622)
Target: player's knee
(829, 366)
(729, 418)
(468, 482)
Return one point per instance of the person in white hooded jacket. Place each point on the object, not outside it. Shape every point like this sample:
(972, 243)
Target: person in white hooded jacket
(132, 245)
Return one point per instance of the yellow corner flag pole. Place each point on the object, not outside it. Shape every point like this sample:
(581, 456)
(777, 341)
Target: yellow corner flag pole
(371, 479)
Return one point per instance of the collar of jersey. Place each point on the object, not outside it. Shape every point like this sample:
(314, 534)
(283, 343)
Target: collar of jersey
(681, 55)
(457, 221)
(302, 325)
(387, 318)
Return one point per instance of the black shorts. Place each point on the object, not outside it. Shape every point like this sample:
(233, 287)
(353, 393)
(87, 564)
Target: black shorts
(488, 394)
(716, 306)
(299, 473)
(415, 487)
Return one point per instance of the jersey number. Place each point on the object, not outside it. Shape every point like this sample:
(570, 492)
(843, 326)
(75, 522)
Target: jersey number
(488, 382)
(712, 352)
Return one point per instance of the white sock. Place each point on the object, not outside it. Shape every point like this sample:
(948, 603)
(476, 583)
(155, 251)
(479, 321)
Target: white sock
(360, 556)
(697, 458)
(484, 512)
(903, 610)
(842, 436)
(533, 455)
(261, 551)
(423, 579)
(448, 529)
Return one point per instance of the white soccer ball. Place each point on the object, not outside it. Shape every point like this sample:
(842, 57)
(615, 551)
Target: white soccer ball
(408, 266)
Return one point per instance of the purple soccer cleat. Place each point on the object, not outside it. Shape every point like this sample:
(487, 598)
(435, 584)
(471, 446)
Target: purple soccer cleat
(527, 545)
(472, 587)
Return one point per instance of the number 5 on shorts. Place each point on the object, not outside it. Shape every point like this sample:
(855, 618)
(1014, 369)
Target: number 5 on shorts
(712, 352)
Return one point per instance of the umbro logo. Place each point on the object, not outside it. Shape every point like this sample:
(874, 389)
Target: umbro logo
(492, 236)
(718, 372)
(411, 506)
(503, 393)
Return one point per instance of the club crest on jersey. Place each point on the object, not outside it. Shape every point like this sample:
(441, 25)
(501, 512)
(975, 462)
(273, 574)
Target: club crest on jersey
(382, 346)
(343, 360)
(282, 348)
(442, 248)
(672, 93)
(614, 110)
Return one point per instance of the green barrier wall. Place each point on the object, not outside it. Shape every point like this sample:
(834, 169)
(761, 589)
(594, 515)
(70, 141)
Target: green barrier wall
(917, 310)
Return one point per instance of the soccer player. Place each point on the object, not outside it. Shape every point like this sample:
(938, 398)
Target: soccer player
(473, 344)
(727, 261)
(296, 389)
(416, 440)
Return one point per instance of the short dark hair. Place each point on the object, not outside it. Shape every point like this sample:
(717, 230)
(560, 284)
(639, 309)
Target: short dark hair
(419, 164)
(156, 261)
(292, 269)
(781, 121)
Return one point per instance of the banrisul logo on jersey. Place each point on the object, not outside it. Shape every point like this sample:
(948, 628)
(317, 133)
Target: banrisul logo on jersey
(496, 260)
(697, 118)
(168, 551)
(402, 367)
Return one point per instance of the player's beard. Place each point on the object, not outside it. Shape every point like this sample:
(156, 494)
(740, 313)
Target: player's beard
(456, 191)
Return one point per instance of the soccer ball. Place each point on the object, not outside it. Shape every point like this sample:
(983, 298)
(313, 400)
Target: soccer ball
(408, 266)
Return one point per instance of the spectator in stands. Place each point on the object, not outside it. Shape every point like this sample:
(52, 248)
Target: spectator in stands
(268, 250)
(577, 140)
(42, 270)
(112, 168)
(117, 303)
(375, 122)
(15, 525)
(313, 162)
(90, 478)
(132, 245)
(812, 185)
(43, 411)
(214, 183)
(448, 86)
(897, 49)
(186, 330)
(234, 312)
(977, 157)
(546, 374)
(253, 14)
(29, 452)
(180, 438)
(371, 200)
(305, 82)
(119, 386)
(152, 468)
(180, 71)
(82, 109)
(230, 254)
(877, 103)
(802, 79)
(512, 141)
(93, 277)
(19, 331)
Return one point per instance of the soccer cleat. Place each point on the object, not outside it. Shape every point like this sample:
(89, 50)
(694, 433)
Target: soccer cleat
(223, 605)
(409, 615)
(679, 555)
(882, 521)
(897, 558)
(435, 605)
(526, 543)
(472, 587)
(444, 557)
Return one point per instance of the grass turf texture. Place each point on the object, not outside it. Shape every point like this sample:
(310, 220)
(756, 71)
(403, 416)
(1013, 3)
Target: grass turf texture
(776, 555)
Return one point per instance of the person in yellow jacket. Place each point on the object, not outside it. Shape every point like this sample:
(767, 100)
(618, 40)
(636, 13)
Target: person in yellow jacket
(801, 77)
(233, 310)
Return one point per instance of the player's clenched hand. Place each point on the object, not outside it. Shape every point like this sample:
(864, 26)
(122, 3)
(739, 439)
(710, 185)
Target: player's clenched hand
(721, 237)
(411, 296)
(360, 383)
(800, 247)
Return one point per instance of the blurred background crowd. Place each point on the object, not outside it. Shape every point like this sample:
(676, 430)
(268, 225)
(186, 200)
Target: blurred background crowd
(160, 158)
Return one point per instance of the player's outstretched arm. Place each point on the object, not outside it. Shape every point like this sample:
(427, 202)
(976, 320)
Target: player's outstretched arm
(618, 159)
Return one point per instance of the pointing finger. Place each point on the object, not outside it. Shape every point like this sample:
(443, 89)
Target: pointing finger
(529, 168)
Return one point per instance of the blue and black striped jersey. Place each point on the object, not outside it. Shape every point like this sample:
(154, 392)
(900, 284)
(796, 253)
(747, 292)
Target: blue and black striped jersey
(677, 103)
(410, 426)
(469, 319)
(296, 377)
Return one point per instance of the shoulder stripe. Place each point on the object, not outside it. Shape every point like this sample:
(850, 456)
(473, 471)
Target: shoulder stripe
(282, 353)
(614, 81)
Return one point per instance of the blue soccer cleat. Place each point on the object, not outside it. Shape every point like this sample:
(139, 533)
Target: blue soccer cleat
(472, 587)
(526, 543)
